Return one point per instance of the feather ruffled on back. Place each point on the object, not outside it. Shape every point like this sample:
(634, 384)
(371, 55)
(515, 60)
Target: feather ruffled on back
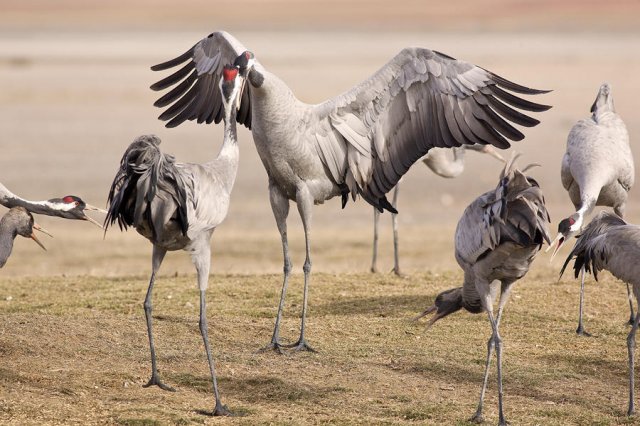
(146, 173)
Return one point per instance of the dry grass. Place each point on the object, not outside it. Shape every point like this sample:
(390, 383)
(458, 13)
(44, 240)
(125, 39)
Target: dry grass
(75, 350)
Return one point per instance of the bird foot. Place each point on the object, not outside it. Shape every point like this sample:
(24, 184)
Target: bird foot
(301, 345)
(399, 273)
(477, 418)
(155, 380)
(273, 346)
(580, 331)
(221, 410)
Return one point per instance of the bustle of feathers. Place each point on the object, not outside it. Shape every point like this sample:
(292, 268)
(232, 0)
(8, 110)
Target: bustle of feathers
(145, 173)
(584, 250)
(514, 212)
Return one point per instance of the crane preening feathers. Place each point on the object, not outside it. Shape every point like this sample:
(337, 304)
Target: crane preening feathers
(358, 143)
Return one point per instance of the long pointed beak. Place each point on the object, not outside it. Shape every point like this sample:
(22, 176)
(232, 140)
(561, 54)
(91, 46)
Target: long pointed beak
(41, 229)
(239, 97)
(34, 238)
(558, 241)
(95, 222)
(94, 208)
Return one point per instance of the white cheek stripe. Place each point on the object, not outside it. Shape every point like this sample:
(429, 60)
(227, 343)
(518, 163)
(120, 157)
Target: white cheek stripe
(65, 207)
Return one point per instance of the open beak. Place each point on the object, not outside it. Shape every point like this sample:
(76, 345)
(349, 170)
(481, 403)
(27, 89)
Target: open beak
(95, 222)
(34, 238)
(93, 208)
(433, 319)
(557, 242)
(41, 229)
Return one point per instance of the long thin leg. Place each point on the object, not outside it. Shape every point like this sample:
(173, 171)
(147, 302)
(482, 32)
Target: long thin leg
(498, 343)
(304, 201)
(280, 208)
(484, 290)
(201, 257)
(394, 224)
(374, 258)
(156, 261)
(632, 317)
(504, 297)
(580, 330)
(631, 346)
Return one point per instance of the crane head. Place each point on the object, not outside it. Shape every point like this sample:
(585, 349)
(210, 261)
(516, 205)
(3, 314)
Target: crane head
(244, 63)
(604, 100)
(73, 207)
(25, 224)
(566, 229)
(231, 86)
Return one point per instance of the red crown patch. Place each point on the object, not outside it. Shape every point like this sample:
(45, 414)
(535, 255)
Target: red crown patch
(229, 73)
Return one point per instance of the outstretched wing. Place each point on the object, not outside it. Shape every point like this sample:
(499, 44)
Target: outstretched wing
(369, 136)
(196, 95)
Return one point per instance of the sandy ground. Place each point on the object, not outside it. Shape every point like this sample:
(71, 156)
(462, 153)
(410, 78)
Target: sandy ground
(74, 80)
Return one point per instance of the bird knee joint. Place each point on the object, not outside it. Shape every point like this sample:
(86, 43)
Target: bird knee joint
(307, 266)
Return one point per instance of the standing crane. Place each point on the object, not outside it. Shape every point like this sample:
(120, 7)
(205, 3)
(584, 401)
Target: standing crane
(609, 243)
(68, 207)
(496, 240)
(358, 143)
(177, 206)
(17, 221)
(442, 165)
(597, 170)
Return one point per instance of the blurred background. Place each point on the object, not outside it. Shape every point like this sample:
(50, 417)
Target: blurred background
(74, 92)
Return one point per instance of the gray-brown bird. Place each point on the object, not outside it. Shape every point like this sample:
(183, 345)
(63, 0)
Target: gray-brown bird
(496, 240)
(597, 170)
(67, 207)
(177, 206)
(609, 243)
(17, 221)
(358, 143)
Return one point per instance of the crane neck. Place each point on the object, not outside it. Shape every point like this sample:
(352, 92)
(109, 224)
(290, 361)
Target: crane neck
(10, 200)
(8, 233)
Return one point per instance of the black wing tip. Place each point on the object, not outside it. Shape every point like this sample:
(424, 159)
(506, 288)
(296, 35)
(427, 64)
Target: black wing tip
(384, 204)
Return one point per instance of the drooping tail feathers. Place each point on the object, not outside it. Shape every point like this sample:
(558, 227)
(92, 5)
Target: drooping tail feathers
(517, 211)
(587, 251)
(145, 172)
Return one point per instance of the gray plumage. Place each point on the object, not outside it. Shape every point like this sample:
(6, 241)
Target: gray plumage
(67, 207)
(357, 143)
(442, 164)
(597, 170)
(496, 240)
(177, 206)
(609, 243)
(17, 221)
